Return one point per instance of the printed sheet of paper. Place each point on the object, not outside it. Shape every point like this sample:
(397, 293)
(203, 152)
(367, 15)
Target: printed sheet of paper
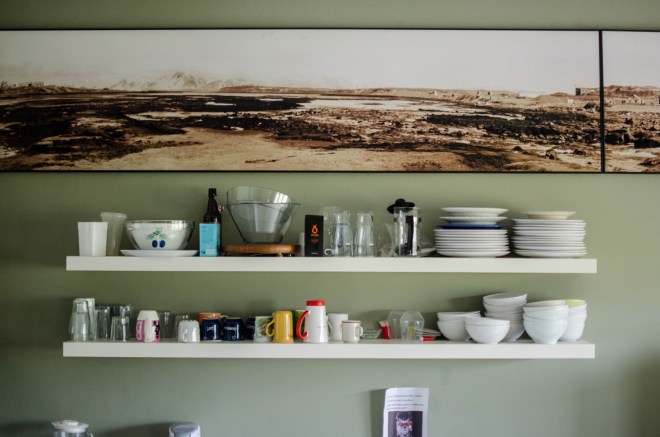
(404, 414)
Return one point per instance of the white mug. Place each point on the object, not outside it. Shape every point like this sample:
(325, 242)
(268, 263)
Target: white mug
(147, 329)
(351, 331)
(188, 331)
(334, 324)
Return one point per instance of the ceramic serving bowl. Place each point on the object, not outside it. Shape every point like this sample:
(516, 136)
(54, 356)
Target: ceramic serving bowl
(487, 331)
(545, 331)
(159, 234)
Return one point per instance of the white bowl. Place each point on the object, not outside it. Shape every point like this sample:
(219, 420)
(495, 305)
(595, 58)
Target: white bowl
(506, 299)
(512, 317)
(503, 310)
(574, 329)
(515, 331)
(492, 332)
(159, 234)
(453, 315)
(549, 314)
(454, 330)
(545, 331)
(548, 215)
(545, 303)
(532, 310)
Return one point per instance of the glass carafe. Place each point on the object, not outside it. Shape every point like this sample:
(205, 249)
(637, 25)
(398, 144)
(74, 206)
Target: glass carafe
(412, 326)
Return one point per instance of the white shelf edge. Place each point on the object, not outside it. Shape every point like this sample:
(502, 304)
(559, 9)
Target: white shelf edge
(329, 264)
(368, 349)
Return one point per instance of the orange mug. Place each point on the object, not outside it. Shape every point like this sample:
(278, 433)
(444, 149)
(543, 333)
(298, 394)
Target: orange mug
(203, 316)
(281, 327)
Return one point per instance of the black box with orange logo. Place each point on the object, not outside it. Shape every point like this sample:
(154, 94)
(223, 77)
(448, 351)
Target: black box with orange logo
(313, 235)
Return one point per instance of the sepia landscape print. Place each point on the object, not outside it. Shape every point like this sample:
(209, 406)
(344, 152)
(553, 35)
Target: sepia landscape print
(300, 100)
(631, 74)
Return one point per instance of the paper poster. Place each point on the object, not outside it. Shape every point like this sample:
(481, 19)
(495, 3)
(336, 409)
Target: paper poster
(404, 414)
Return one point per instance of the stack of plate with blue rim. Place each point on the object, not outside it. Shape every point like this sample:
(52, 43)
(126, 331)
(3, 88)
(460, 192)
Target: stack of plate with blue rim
(472, 232)
(549, 234)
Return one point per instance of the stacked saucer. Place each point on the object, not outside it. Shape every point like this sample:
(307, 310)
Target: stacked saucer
(472, 232)
(549, 238)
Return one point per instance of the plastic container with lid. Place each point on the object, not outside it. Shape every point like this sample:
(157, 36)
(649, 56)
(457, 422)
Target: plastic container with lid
(412, 325)
(70, 428)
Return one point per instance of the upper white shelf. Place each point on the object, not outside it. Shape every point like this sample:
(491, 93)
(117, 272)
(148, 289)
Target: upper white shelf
(367, 349)
(330, 264)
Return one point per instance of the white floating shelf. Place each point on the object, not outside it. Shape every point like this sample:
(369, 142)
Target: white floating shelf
(331, 264)
(368, 349)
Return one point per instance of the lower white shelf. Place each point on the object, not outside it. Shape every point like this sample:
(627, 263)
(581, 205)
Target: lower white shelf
(368, 349)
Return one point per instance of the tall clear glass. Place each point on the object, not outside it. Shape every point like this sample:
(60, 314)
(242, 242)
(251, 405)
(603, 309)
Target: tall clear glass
(328, 213)
(407, 232)
(80, 326)
(342, 238)
(363, 243)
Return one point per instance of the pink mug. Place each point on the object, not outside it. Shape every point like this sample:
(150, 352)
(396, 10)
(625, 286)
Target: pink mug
(147, 329)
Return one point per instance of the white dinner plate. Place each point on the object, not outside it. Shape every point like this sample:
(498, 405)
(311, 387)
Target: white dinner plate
(472, 246)
(476, 253)
(551, 254)
(549, 215)
(581, 248)
(473, 220)
(548, 222)
(482, 232)
(159, 253)
(474, 212)
(550, 233)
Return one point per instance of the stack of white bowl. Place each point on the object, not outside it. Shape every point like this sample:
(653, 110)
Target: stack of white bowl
(507, 306)
(546, 321)
(452, 324)
(577, 319)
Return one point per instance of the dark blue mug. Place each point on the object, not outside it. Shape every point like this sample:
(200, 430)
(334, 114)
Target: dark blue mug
(233, 329)
(209, 329)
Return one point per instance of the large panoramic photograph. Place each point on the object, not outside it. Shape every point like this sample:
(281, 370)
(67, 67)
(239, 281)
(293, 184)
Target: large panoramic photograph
(301, 100)
(631, 76)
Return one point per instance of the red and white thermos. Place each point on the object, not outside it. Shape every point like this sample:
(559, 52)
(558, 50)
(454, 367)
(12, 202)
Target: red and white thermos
(316, 323)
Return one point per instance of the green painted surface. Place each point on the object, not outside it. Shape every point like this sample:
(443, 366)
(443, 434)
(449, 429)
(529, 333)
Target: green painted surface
(614, 395)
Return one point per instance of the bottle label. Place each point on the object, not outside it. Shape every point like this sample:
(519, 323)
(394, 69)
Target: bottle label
(209, 239)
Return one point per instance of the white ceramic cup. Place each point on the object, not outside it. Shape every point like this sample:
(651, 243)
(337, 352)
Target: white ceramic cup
(115, 222)
(147, 329)
(351, 331)
(188, 331)
(92, 238)
(334, 325)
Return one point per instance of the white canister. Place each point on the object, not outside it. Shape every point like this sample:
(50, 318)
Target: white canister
(147, 329)
(316, 323)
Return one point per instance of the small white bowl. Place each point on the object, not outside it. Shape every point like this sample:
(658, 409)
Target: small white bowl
(453, 315)
(492, 332)
(548, 215)
(549, 314)
(574, 330)
(506, 299)
(545, 331)
(454, 330)
(512, 317)
(515, 331)
(503, 310)
(532, 310)
(546, 303)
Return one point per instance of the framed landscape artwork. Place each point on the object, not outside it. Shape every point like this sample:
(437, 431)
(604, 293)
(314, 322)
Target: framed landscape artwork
(631, 79)
(344, 100)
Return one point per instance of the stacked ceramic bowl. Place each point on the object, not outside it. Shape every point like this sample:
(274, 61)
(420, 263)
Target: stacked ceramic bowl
(546, 321)
(549, 234)
(507, 306)
(487, 330)
(577, 319)
(472, 232)
(452, 324)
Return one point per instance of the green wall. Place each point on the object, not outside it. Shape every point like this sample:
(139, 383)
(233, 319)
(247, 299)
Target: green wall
(617, 394)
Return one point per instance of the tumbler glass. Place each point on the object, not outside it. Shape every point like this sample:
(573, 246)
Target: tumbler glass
(120, 330)
(364, 235)
(166, 324)
(342, 241)
(80, 326)
(328, 213)
(102, 322)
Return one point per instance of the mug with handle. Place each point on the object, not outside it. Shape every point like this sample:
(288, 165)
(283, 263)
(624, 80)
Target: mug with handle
(281, 327)
(351, 331)
(334, 325)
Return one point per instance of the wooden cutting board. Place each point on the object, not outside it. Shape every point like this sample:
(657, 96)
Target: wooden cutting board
(261, 249)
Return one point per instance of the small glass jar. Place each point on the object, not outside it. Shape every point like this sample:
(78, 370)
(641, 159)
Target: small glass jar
(412, 326)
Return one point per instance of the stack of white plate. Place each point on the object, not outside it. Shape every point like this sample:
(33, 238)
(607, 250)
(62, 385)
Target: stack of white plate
(472, 232)
(549, 238)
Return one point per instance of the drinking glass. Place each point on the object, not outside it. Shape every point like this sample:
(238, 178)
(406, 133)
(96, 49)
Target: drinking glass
(165, 319)
(120, 330)
(342, 241)
(328, 213)
(102, 322)
(80, 324)
(407, 232)
(364, 235)
(115, 222)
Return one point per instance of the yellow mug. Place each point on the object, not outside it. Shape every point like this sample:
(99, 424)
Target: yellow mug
(281, 327)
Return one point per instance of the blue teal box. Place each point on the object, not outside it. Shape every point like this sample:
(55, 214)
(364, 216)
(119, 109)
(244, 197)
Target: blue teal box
(209, 239)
